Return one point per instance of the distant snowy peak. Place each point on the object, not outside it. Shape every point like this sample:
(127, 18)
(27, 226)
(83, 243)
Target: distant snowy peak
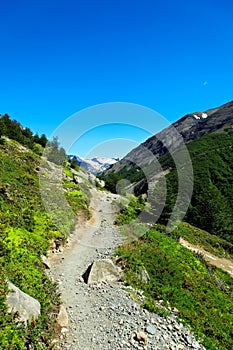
(94, 165)
(200, 115)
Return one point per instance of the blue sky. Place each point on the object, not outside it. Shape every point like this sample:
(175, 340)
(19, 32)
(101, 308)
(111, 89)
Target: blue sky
(59, 57)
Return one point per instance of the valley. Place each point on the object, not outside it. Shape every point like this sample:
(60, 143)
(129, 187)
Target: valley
(175, 286)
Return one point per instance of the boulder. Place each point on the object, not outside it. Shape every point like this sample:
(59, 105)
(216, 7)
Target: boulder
(102, 270)
(24, 305)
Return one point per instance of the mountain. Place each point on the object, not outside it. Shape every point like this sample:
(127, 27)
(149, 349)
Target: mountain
(192, 126)
(209, 140)
(94, 165)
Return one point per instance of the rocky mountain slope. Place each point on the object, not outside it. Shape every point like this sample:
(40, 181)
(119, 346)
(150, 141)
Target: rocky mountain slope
(191, 127)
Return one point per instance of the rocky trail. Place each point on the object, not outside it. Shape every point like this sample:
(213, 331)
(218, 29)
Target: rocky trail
(104, 316)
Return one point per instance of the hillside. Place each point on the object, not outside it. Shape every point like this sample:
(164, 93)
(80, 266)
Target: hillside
(180, 279)
(26, 232)
(211, 203)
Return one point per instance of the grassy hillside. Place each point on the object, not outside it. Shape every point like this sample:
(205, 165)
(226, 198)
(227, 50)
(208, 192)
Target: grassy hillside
(211, 206)
(179, 279)
(25, 234)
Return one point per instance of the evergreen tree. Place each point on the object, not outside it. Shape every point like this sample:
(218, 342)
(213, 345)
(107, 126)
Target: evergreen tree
(2, 127)
(55, 153)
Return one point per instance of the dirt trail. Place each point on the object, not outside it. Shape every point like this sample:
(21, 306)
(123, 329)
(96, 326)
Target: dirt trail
(223, 263)
(92, 239)
(105, 316)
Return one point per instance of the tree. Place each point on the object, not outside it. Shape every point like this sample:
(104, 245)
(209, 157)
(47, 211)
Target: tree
(43, 140)
(2, 127)
(210, 211)
(54, 152)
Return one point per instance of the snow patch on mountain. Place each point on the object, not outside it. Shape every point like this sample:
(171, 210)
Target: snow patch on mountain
(94, 165)
(200, 115)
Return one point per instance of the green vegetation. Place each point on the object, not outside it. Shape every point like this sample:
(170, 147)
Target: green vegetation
(25, 234)
(209, 242)
(15, 131)
(54, 153)
(202, 294)
(211, 206)
(131, 210)
(111, 179)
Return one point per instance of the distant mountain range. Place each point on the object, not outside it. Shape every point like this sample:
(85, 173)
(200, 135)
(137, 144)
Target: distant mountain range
(94, 165)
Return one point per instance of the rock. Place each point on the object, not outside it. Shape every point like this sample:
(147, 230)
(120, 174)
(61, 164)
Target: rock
(141, 336)
(62, 318)
(151, 330)
(102, 270)
(45, 262)
(19, 302)
(143, 276)
(64, 330)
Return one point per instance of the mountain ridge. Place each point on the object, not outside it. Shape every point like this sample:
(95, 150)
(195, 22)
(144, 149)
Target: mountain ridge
(188, 127)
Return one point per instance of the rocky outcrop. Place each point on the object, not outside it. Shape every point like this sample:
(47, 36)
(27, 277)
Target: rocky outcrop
(24, 305)
(102, 270)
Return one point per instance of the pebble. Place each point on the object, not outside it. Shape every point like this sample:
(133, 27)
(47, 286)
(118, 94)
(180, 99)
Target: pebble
(151, 330)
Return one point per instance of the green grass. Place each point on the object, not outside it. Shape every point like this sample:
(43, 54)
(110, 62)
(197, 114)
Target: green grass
(131, 208)
(178, 277)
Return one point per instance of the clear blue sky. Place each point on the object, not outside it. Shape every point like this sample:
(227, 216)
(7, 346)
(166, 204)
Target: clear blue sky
(60, 56)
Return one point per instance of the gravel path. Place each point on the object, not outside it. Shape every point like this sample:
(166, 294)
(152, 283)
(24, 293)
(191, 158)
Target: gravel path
(107, 316)
(222, 263)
